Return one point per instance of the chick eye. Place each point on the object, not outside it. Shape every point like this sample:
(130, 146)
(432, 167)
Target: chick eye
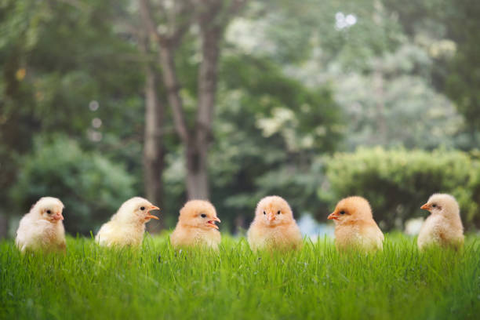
(142, 208)
(278, 212)
(434, 205)
(342, 212)
(203, 215)
(264, 213)
(48, 211)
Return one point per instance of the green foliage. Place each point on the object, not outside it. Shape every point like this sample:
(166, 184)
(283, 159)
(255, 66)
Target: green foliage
(157, 282)
(398, 182)
(91, 187)
(464, 70)
(306, 118)
(393, 96)
(449, 31)
(290, 32)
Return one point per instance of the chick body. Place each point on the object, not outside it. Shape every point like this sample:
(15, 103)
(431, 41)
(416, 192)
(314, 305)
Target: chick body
(127, 226)
(443, 227)
(42, 229)
(361, 234)
(196, 226)
(274, 226)
(355, 227)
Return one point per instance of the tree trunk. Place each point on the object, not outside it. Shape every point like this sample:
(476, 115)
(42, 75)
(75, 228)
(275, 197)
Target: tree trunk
(196, 144)
(170, 80)
(197, 172)
(197, 148)
(153, 150)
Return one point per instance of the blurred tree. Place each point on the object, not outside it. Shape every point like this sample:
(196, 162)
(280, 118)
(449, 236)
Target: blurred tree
(348, 32)
(448, 29)
(176, 18)
(381, 104)
(463, 80)
(153, 145)
(155, 115)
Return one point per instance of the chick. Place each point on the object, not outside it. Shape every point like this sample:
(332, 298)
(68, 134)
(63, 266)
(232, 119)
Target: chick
(42, 228)
(274, 226)
(443, 227)
(196, 226)
(355, 227)
(126, 227)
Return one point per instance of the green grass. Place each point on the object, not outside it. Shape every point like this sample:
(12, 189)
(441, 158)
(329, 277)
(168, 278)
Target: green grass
(155, 282)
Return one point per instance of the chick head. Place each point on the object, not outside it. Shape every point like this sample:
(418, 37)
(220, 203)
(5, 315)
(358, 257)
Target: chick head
(442, 203)
(199, 214)
(49, 208)
(273, 211)
(137, 210)
(351, 209)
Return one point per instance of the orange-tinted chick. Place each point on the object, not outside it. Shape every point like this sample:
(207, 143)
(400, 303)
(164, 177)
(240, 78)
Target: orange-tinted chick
(196, 226)
(354, 225)
(274, 226)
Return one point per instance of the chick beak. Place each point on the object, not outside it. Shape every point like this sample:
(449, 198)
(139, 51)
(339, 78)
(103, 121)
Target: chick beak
(149, 216)
(426, 206)
(332, 216)
(58, 217)
(271, 217)
(211, 223)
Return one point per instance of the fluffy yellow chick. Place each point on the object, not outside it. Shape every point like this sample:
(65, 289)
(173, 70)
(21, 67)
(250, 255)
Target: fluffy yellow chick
(274, 226)
(127, 226)
(354, 225)
(42, 228)
(443, 227)
(196, 226)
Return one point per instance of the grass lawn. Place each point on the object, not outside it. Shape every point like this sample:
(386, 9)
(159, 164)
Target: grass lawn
(155, 282)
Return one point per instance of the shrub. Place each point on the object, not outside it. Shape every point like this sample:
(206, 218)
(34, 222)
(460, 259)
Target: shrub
(91, 187)
(398, 182)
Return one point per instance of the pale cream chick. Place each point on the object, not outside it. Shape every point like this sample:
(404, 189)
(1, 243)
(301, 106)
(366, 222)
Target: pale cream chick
(274, 226)
(196, 226)
(42, 228)
(354, 226)
(127, 226)
(443, 227)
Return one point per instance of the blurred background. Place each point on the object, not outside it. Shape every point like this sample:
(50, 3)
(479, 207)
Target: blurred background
(232, 100)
